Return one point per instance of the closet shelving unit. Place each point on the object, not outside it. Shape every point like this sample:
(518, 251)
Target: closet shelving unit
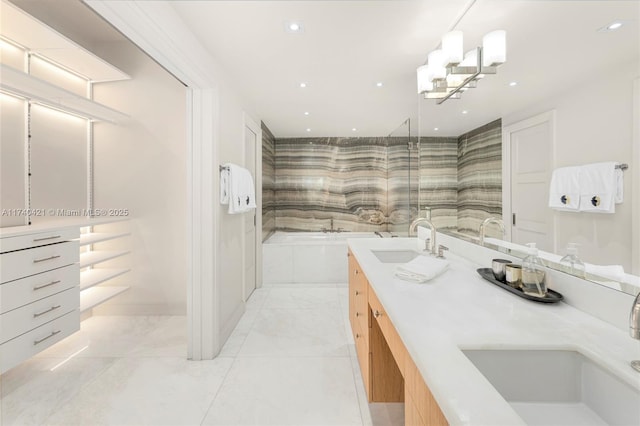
(98, 253)
(102, 253)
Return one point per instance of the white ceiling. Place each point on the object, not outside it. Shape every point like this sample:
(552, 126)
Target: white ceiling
(348, 46)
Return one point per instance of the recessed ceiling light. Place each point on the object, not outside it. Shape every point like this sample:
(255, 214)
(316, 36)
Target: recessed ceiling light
(513, 83)
(379, 84)
(303, 85)
(435, 129)
(465, 111)
(293, 27)
(308, 130)
(306, 113)
(612, 26)
(354, 129)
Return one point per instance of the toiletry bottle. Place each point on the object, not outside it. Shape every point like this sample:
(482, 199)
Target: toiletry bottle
(571, 263)
(533, 275)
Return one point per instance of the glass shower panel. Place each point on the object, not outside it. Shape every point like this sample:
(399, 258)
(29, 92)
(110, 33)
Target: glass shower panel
(402, 179)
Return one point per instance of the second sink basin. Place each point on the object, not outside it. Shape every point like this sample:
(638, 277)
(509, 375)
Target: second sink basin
(395, 256)
(558, 387)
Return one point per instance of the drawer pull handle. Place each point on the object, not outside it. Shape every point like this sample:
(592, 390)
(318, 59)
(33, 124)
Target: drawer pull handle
(357, 314)
(46, 238)
(53, 308)
(377, 313)
(357, 336)
(53, 333)
(46, 258)
(357, 293)
(38, 287)
(355, 272)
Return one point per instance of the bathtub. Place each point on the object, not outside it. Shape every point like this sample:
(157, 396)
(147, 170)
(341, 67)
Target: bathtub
(307, 257)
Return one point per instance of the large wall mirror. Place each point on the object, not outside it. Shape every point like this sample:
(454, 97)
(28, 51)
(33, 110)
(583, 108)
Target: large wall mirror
(567, 95)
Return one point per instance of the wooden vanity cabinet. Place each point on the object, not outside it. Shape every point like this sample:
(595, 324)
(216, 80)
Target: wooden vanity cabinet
(388, 371)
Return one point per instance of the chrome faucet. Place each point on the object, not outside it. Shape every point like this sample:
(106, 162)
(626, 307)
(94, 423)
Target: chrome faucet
(325, 230)
(486, 222)
(431, 246)
(634, 326)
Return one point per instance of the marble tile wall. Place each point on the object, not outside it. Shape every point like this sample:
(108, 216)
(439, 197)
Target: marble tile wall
(439, 180)
(479, 176)
(344, 179)
(371, 184)
(268, 182)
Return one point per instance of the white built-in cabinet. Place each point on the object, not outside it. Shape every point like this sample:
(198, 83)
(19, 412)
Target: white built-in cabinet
(51, 276)
(58, 263)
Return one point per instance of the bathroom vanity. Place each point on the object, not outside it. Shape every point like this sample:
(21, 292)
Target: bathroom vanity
(432, 346)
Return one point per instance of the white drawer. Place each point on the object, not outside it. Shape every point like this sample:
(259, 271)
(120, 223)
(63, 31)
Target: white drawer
(38, 239)
(26, 290)
(19, 321)
(27, 345)
(23, 263)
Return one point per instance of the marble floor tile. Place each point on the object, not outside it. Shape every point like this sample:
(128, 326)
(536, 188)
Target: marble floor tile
(289, 332)
(35, 389)
(257, 298)
(146, 391)
(286, 391)
(290, 360)
(103, 336)
(169, 339)
(303, 298)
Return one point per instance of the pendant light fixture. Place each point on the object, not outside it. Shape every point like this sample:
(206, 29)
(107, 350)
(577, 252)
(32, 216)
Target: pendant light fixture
(448, 72)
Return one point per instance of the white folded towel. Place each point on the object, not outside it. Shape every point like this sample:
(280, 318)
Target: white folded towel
(224, 186)
(614, 272)
(598, 187)
(242, 196)
(421, 269)
(564, 191)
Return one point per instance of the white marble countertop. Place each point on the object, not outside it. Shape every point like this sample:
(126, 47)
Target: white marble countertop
(460, 310)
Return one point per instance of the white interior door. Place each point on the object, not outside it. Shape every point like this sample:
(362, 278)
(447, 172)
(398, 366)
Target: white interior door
(530, 147)
(251, 132)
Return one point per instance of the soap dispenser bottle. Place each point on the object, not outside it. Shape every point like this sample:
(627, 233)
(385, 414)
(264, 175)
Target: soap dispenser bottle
(571, 262)
(533, 274)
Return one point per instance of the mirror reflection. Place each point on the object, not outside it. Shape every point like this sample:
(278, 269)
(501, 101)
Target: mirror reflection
(562, 99)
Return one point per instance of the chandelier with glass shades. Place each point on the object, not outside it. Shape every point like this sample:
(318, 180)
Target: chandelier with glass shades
(448, 73)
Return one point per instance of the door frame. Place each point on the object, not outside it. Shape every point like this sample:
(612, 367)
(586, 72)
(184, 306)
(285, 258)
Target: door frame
(507, 131)
(249, 123)
(634, 169)
(148, 25)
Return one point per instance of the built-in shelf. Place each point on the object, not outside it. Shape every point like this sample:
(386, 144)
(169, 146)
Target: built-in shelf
(98, 237)
(37, 37)
(36, 90)
(94, 296)
(93, 277)
(94, 257)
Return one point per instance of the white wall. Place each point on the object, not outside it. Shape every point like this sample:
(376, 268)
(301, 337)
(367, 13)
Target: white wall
(594, 123)
(12, 161)
(141, 165)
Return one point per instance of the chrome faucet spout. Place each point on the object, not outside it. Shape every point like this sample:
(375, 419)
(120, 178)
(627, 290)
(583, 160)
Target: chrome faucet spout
(487, 221)
(634, 326)
(423, 220)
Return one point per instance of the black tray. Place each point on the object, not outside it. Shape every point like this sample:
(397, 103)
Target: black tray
(550, 297)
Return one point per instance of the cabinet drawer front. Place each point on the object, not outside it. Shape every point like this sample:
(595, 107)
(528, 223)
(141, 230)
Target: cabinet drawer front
(33, 315)
(362, 352)
(25, 346)
(38, 239)
(23, 263)
(26, 290)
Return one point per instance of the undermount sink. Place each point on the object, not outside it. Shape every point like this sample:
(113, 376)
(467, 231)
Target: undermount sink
(395, 256)
(558, 387)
